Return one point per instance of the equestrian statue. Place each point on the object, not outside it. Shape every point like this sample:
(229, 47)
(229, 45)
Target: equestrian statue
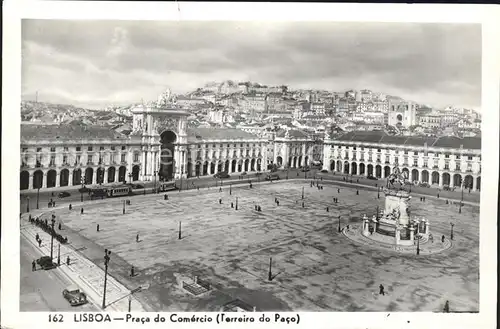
(397, 176)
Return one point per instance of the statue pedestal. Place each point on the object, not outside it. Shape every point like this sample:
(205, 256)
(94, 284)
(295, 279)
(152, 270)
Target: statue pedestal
(397, 202)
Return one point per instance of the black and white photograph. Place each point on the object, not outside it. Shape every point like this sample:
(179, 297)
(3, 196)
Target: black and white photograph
(251, 166)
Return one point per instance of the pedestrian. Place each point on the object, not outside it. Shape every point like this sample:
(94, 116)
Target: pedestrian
(97, 227)
(68, 261)
(447, 202)
(338, 190)
(327, 209)
(381, 290)
(70, 206)
(198, 188)
(357, 192)
(81, 211)
(302, 204)
(424, 198)
(446, 308)
(277, 203)
(220, 189)
(347, 227)
(220, 201)
(132, 271)
(232, 205)
(357, 180)
(37, 237)
(321, 178)
(137, 238)
(53, 203)
(33, 266)
(442, 238)
(59, 226)
(39, 242)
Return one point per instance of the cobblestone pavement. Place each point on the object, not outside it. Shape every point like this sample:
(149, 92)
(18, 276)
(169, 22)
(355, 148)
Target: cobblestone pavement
(314, 267)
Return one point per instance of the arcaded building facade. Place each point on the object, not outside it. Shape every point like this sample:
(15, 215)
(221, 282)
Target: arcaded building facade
(160, 147)
(440, 161)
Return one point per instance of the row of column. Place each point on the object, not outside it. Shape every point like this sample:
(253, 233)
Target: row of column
(411, 178)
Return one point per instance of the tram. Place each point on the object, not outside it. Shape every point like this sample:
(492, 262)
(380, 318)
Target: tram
(167, 186)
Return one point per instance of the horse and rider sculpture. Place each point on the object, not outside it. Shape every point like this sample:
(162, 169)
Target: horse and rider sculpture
(397, 177)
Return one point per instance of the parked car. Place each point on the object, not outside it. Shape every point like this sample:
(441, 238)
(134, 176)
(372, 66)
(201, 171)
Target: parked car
(75, 296)
(64, 194)
(324, 171)
(258, 173)
(424, 185)
(273, 177)
(372, 177)
(243, 173)
(305, 169)
(446, 188)
(46, 263)
(222, 175)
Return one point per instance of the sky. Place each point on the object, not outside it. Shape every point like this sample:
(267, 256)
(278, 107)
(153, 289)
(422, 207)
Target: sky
(100, 63)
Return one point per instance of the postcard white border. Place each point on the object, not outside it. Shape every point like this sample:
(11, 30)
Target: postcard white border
(487, 15)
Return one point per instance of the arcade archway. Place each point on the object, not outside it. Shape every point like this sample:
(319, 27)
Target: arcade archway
(167, 162)
(24, 180)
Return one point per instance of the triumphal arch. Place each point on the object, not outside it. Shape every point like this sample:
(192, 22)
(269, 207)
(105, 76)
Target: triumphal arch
(161, 129)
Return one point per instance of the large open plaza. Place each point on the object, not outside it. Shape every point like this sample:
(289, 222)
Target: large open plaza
(314, 267)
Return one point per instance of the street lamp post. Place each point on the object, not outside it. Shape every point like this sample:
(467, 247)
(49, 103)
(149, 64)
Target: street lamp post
(461, 201)
(59, 255)
(123, 207)
(302, 192)
(52, 223)
(28, 204)
(230, 191)
(37, 198)
(378, 192)
(180, 230)
(106, 262)
(156, 172)
(451, 233)
(83, 185)
(418, 244)
(339, 225)
(236, 204)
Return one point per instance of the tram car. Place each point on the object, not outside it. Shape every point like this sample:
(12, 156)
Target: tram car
(167, 186)
(119, 191)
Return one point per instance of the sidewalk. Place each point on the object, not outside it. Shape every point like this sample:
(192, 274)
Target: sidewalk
(84, 273)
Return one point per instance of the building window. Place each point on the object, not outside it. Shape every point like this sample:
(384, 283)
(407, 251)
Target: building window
(406, 152)
(123, 158)
(89, 159)
(447, 166)
(65, 159)
(415, 153)
(89, 148)
(123, 148)
(52, 149)
(425, 163)
(136, 157)
(101, 148)
(446, 156)
(78, 160)
(457, 166)
(78, 148)
(112, 148)
(112, 158)
(39, 149)
(457, 157)
(469, 157)
(52, 160)
(65, 148)
(415, 162)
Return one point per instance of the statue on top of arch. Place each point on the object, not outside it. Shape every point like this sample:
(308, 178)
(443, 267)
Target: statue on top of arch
(166, 98)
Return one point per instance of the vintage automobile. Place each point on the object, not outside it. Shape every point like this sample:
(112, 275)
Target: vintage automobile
(74, 296)
(84, 189)
(64, 194)
(222, 175)
(273, 177)
(372, 177)
(305, 169)
(46, 263)
(324, 171)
